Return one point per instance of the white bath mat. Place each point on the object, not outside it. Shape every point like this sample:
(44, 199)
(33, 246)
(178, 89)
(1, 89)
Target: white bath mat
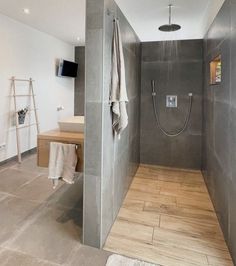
(117, 260)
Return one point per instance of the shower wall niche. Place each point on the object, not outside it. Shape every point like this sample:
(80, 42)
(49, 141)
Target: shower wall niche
(177, 69)
(215, 71)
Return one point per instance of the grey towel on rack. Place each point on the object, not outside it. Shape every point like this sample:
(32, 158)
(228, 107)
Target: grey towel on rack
(118, 95)
(62, 162)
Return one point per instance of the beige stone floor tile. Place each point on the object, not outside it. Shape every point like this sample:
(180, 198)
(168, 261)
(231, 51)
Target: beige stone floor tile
(203, 216)
(51, 236)
(188, 232)
(194, 203)
(145, 196)
(133, 204)
(140, 217)
(131, 230)
(144, 251)
(13, 258)
(201, 245)
(214, 261)
(201, 197)
(12, 179)
(144, 182)
(159, 168)
(194, 188)
(187, 227)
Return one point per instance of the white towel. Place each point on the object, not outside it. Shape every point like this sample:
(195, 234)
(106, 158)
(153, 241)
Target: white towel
(118, 95)
(62, 162)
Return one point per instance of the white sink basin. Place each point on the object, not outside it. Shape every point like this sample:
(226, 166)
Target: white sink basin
(72, 124)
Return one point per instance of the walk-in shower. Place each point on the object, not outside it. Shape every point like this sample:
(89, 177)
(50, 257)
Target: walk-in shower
(173, 102)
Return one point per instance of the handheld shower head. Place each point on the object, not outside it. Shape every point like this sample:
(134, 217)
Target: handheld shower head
(153, 87)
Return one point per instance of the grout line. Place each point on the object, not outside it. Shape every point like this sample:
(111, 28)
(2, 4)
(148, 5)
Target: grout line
(153, 234)
(28, 255)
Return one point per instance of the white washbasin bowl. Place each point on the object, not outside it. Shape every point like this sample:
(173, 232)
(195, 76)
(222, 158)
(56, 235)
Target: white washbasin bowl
(72, 124)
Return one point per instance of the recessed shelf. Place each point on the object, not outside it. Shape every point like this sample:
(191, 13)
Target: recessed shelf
(216, 71)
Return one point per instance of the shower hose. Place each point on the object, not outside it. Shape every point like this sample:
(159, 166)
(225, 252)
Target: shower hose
(168, 134)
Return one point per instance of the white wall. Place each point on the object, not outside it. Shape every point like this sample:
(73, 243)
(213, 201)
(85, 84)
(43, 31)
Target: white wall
(26, 52)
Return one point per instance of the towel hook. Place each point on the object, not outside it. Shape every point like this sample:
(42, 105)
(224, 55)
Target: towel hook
(110, 13)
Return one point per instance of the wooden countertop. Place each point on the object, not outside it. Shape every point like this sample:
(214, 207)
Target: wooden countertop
(60, 136)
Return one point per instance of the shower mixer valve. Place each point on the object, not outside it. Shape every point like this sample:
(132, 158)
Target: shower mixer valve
(171, 101)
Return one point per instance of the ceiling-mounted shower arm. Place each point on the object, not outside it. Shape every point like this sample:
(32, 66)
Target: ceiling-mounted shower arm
(170, 27)
(170, 6)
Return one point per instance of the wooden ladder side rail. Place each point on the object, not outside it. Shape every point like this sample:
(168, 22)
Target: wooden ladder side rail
(34, 106)
(17, 123)
(18, 127)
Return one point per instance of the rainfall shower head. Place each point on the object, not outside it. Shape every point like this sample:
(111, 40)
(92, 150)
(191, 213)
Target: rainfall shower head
(170, 27)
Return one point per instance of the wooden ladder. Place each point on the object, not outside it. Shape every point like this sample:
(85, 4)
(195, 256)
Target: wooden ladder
(32, 97)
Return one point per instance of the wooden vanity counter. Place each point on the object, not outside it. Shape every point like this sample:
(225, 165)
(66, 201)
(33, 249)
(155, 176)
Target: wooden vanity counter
(43, 145)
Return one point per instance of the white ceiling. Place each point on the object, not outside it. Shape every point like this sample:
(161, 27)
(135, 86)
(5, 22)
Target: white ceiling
(65, 19)
(194, 16)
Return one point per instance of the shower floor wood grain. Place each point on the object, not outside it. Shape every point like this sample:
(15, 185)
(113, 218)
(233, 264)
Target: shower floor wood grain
(167, 218)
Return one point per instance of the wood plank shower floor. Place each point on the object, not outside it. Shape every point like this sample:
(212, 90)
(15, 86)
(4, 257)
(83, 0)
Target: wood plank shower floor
(167, 218)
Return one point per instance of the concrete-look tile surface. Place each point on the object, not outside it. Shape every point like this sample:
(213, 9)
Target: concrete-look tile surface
(11, 179)
(30, 165)
(13, 212)
(70, 196)
(87, 256)
(40, 226)
(52, 236)
(13, 258)
(39, 189)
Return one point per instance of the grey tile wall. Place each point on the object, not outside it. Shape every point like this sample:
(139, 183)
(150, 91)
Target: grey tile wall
(110, 164)
(80, 81)
(177, 67)
(93, 123)
(119, 164)
(219, 126)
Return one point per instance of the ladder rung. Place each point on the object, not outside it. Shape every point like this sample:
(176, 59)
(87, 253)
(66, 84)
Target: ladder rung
(31, 110)
(30, 125)
(23, 95)
(26, 80)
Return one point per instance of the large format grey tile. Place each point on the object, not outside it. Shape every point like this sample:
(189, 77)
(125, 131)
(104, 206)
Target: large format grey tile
(176, 50)
(51, 236)
(93, 139)
(39, 189)
(79, 97)
(69, 196)
(232, 219)
(13, 258)
(29, 164)
(87, 256)
(11, 179)
(220, 28)
(92, 210)
(221, 134)
(14, 212)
